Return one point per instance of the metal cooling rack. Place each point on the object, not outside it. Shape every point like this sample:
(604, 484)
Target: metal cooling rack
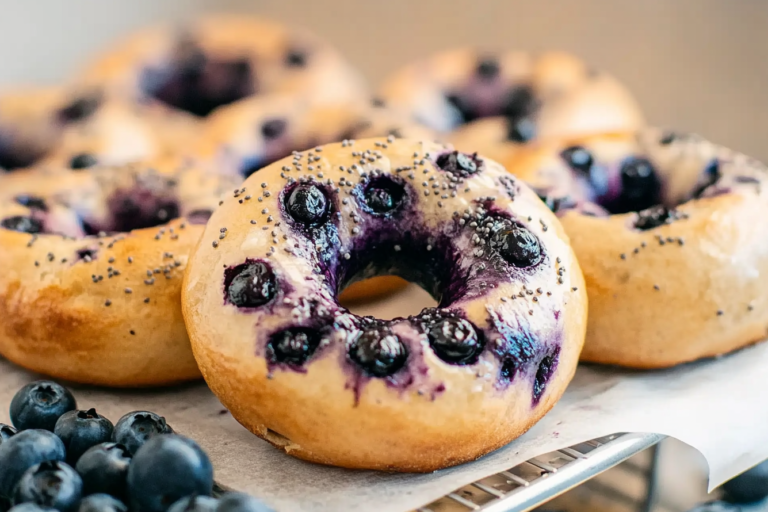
(538, 480)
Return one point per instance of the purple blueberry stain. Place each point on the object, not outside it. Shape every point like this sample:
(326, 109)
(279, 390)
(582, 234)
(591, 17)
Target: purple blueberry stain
(250, 285)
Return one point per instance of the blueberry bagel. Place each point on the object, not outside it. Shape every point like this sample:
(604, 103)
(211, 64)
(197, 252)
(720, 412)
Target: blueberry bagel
(668, 231)
(525, 92)
(92, 264)
(245, 136)
(218, 60)
(412, 394)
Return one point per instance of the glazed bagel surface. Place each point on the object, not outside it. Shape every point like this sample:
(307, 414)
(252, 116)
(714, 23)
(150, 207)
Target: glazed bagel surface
(92, 265)
(667, 230)
(436, 389)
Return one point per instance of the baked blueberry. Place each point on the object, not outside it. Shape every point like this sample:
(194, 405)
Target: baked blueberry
(82, 161)
(654, 217)
(520, 130)
(463, 110)
(749, 487)
(578, 159)
(104, 469)
(459, 164)
(241, 502)
(24, 450)
(640, 186)
(521, 102)
(166, 469)
(101, 503)
(546, 368)
(6, 432)
(709, 176)
(135, 428)
(296, 59)
(80, 430)
(195, 504)
(273, 128)
(40, 404)
(293, 346)
(32, 202)
(455, 340)
(250, 285)
(383, 195)
(31, 507)
(517, 246)
(200, 217)
(378, 352)
(80, 108)
(307, 204)
(23, 224)
(50, 484)
(488, 69)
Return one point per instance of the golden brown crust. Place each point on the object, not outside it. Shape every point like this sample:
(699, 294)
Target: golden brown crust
(319, 72)
(331, 412)
(686, 289)
(101, 310)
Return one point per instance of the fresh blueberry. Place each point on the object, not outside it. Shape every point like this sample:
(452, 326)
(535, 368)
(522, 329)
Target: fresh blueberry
(101, 503)
(23, 451)
(40, 404)
(455, 340)
(716, 506)
(307, 204)
(104, 469)
(749, 487)
(293, 346)
(240, 502)
(166, 469)
(517, 245)
(250, 285)
(379, 352)
(80, 430)
(82, 161)
(383, 195)
(459, 164)
(6, 432)
(50, 484)
(22, 224)
(135, 428)
(195, 504)
(31, 507)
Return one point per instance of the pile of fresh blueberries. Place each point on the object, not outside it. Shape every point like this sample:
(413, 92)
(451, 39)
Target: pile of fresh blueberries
(57, 457)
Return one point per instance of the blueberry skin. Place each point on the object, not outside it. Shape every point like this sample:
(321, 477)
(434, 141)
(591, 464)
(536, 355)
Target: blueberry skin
(716, 506)
(79, 430)
(24, 450)
(6, 432)
(39, 404)
(31, 507)
(241, 502)
(101, 503)
(748, 487)
(104, 470)
(50, 484)
(135, 428)
(166, 469)
(195, 504)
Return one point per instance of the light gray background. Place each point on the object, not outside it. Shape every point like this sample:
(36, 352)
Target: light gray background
(697, 65)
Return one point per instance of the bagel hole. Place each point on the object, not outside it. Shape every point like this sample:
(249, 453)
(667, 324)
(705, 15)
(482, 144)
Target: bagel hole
(198, 84)
(386, 297)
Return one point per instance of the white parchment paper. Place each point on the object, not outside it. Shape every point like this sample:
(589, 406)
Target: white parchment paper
(720, 407)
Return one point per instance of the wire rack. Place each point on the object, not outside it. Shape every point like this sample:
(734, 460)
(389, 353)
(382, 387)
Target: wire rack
(538, 480)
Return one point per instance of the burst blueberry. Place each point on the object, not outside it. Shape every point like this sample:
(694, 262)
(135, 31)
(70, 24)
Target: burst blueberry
(517, 245)
(166, 469)
(379, 352)
(459, 164)
(80, 430)
(383, 195)
(293, 346)
(544, 373)
(39, 404)
(101, 503)
(250, 285)
(50, 484)
(104, 469)
(136, 428)
(307, 204)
